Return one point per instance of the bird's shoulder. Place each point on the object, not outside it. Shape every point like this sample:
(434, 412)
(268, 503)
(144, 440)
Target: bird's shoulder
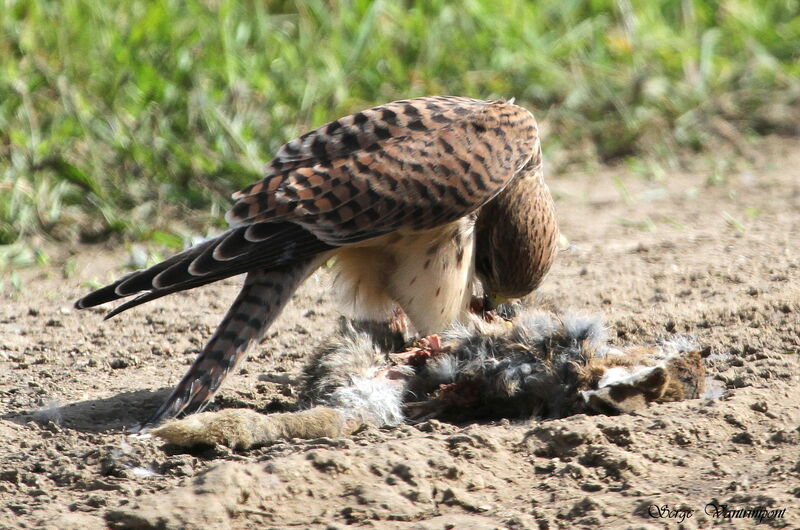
(373, 170)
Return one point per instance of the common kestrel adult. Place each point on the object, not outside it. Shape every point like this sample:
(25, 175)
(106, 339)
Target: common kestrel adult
(415, 200)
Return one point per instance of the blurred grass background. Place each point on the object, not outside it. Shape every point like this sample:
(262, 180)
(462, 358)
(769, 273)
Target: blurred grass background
(119, 117)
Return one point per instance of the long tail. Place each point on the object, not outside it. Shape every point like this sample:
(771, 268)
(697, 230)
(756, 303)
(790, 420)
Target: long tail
(246, 248)
(262, 298)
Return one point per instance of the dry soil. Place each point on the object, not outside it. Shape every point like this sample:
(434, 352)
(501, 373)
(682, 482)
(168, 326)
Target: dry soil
(712, 255)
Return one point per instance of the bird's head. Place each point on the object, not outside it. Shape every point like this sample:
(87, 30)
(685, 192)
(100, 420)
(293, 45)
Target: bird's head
(501, 284)
(516, 236)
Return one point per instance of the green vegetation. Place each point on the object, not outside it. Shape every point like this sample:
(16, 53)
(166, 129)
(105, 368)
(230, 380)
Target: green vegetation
(117, 117)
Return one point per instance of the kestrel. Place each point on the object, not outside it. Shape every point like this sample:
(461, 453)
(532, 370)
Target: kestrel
(417, 200)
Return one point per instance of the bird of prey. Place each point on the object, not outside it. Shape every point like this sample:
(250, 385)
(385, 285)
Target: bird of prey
(417, 200)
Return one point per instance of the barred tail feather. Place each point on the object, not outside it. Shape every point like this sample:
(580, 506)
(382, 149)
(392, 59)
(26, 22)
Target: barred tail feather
(258, 246)
(262, 298)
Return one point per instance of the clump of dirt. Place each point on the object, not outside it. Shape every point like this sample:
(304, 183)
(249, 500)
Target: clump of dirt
(684, 255)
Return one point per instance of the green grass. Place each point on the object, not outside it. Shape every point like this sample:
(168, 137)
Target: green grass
(119, 117)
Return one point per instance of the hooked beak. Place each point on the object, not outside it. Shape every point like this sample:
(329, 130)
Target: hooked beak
(491, 301)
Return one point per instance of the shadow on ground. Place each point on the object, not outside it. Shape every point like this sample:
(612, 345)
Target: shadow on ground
(115, 413)
(121, 412)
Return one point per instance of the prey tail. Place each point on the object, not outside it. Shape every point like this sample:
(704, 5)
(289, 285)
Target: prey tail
(263, 296)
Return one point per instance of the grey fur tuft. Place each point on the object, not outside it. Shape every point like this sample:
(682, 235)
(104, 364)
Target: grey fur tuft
(534, 365)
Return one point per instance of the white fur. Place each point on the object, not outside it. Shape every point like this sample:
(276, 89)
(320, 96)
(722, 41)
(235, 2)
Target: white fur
(629, 375)
(376, 399)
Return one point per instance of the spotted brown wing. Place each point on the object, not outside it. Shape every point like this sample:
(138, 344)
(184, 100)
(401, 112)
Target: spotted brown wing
(408, 165)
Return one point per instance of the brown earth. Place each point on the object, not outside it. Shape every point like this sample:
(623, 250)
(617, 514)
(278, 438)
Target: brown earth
(710, 255)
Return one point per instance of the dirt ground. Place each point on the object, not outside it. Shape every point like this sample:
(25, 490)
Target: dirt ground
(709, 255)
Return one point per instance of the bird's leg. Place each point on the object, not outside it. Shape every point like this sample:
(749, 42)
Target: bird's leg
(262, 298)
